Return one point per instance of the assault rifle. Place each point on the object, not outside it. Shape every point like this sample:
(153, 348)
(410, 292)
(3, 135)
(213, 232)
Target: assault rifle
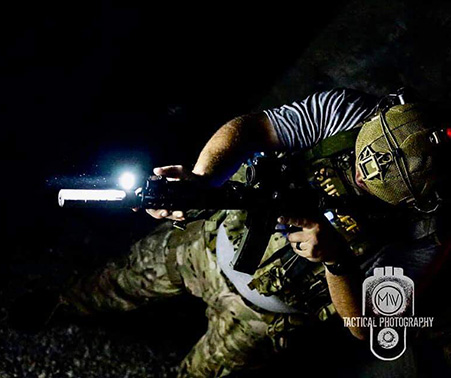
(274, 186)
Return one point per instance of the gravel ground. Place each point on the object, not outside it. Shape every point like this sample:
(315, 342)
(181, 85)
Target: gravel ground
(145, 343)
(72, 351)
(149, 342)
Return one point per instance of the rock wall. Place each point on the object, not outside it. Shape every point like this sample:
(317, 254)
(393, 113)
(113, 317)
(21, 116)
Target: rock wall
(376, 46)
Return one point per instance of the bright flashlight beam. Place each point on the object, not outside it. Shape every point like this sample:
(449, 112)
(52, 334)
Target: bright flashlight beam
(127, 180)
(90, 195)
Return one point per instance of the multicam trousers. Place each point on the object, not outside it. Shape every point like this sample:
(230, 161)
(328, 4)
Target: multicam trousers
(167, 263)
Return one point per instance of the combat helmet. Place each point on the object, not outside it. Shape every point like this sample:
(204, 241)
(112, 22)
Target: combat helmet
(396, 152)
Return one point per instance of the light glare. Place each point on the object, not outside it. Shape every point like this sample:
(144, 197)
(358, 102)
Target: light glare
(127, 180)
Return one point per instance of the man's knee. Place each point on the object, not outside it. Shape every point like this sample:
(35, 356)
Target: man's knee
(236, 340)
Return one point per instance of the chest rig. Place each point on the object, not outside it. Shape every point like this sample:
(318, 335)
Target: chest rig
(329, 168)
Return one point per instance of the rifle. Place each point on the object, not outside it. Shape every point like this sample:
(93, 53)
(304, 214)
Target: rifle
(274, 186)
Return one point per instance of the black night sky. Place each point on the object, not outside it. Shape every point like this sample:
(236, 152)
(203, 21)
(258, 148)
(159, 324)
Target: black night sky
(90, 89)
(87, 89)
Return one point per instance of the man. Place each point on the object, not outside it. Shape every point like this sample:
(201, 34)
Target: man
(251, 316)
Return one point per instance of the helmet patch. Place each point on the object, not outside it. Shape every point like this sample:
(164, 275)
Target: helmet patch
(374, 165)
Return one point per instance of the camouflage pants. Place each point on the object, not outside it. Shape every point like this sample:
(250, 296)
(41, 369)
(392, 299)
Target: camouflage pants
(170, 262)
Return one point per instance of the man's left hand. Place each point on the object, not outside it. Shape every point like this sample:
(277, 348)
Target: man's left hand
(317, 241)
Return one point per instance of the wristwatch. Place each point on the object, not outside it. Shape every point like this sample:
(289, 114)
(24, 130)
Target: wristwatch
(342, 267)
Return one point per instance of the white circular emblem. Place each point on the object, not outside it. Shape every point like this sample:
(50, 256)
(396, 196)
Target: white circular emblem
(387, 338)
(388, 298)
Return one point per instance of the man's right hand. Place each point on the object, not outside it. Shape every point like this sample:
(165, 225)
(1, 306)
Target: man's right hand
(172, 173)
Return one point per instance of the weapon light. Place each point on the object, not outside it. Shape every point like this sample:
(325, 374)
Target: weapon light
(89, 195)
(127, 180)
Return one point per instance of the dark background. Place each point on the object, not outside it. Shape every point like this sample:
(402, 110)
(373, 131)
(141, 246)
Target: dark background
(89, 89)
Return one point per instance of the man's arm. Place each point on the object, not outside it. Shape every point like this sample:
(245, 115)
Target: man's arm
(346, 295)
(290, 127)
(233, 143)
(230, 146)
(318, 242)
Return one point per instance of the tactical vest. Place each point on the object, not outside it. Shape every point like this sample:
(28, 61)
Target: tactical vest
(330, 168)
(297, 281)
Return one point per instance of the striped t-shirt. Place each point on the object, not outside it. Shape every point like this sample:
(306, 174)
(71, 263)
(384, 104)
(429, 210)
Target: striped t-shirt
(319, 116)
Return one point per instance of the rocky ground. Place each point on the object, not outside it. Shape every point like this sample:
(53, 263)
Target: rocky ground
(148, 342)
(143, 343)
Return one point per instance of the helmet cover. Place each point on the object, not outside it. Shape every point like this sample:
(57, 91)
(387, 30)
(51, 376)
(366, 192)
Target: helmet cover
(395, 154)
